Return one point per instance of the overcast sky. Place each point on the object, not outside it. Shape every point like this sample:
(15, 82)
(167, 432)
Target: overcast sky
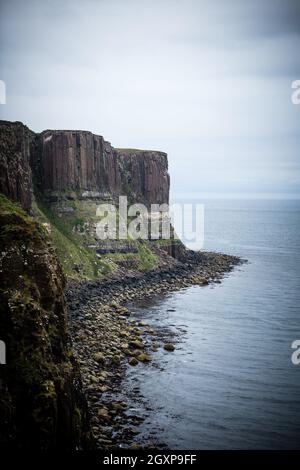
(207, 81)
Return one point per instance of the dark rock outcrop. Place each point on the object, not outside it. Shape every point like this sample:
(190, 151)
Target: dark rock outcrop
(80, 161)
(145, 176)
(77, 161)
(15, 171)
(41, 402)
(78, 164)
(52, 175)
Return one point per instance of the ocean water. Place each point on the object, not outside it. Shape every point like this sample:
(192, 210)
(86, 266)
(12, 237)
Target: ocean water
(231, 383)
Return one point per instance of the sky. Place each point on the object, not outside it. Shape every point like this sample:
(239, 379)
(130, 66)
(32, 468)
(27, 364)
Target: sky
(207, 81)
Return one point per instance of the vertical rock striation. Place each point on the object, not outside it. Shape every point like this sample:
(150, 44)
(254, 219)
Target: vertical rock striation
(145, 175)
(41, 400)
(85, 163)
(42, 406)
(15, 171)
(78, 161)
(80, 164)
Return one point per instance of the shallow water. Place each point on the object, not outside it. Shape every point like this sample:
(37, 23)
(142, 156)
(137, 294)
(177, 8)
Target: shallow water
(231, 384)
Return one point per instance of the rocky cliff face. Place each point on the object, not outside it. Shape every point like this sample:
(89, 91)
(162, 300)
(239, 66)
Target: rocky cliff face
(41, 401)
(77, 164)
(15, 171)
(77, 161)
(81, 162)
(60, 177)
(144, 175)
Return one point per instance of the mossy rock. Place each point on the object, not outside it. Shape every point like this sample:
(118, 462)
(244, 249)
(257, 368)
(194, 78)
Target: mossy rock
(42, 406)
(133, 361)
(169, 347)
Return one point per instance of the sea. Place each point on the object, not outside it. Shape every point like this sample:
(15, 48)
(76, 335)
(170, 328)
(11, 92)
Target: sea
(231, 382)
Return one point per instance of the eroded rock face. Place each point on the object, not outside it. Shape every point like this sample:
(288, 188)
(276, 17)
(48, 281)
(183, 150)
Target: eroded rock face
(15, 172)
(145, 176)
(85, 163)
(41, 402)
(78, 161)
(78, 164)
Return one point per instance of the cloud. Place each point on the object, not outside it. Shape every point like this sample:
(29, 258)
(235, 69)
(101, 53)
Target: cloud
(207, 81)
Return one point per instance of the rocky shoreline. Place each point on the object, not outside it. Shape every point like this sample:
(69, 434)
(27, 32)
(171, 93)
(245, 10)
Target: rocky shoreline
(59, 178)
(107, 341)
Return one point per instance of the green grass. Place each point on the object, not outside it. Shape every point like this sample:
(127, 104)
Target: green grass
(121, 256)
(11, 207)
(77, 261)
(129, 150)
(145, 258)
(148, 260)
(16, 224)
(164, 241)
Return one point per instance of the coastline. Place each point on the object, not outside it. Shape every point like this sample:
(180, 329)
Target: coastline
(107, 341)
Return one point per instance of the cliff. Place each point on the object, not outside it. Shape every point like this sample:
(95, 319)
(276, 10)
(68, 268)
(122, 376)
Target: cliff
(62, 176)
(15, 170)
(51, 185)
(77, 164)
(81, 162)
(41, 402)
(145, 175)
(59, 178)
